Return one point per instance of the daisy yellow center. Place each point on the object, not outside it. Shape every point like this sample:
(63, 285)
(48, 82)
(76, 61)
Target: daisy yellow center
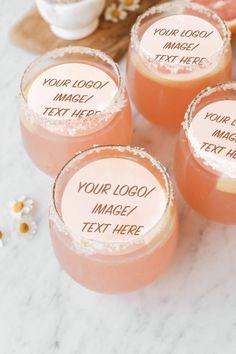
(18, 206)
(1, 235)
(116, 13)
(24, 228)
(129, 2)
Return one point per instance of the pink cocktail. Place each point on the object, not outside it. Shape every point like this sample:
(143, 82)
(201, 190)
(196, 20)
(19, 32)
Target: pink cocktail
(205, 158)
(176, 50)
(72, 98)
(113, 221)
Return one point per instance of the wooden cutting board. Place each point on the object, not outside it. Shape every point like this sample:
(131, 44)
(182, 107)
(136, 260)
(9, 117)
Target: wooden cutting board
(33, 33)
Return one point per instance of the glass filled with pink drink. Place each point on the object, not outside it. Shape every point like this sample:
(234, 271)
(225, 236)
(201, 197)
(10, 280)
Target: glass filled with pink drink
(113, 220)
(176, 50)
(71, 99)
(205, 158)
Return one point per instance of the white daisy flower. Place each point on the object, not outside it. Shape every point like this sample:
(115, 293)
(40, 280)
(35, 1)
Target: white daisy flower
(3, 236)
(20, 206)
(114, 13)
(25, 227)
(130, 5)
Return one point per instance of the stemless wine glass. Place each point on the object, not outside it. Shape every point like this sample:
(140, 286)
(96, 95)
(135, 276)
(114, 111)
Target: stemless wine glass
(113, 232)
(71, 99)
(176, 50)
(205, 158)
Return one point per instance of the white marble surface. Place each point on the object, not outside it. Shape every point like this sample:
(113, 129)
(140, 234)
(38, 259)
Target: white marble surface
(191, 309)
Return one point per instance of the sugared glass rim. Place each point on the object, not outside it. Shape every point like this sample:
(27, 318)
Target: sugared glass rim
(65, 124)
(81, 242)
(178, 6)
(219, 165)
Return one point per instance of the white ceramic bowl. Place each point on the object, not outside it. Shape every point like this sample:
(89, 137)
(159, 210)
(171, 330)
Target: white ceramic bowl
(73, 20)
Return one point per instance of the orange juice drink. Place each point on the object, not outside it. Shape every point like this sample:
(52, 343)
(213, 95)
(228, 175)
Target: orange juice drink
(113, 220)
(71, 99)
(205, 159)
(176, 50)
